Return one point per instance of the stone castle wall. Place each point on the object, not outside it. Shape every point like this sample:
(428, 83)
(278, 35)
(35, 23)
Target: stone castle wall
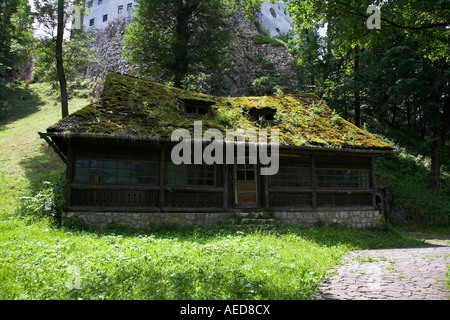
(248, 58)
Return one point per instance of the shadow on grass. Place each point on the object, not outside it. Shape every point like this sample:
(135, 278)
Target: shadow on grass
(17, 102)
(44, 166)
(330, 236)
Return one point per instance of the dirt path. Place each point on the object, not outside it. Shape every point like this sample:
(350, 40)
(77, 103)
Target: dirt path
(393, 274)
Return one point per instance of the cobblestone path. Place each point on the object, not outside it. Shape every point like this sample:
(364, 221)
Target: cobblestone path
(392, 274)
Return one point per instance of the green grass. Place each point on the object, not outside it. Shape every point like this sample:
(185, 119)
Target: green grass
(37, 262)
(266, 39)
(25, 159)
(41, 261)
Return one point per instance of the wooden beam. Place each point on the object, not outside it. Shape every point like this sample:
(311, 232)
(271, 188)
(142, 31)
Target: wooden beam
(266, 192)
(373, 182)
(162, 176)
(225, 185)
(70, 165)
(313, 182)
(54, 147)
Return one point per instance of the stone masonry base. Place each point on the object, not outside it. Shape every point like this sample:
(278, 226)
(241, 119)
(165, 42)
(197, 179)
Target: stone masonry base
(101, 220)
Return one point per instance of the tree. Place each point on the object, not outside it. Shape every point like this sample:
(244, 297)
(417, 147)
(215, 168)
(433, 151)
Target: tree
(53, 16)
(59, 60)
(175, 40)
(425, 25)
(78, 52)
(426, 21)
(16, 33)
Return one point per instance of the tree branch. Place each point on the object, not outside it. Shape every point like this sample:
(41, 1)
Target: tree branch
(355, 12)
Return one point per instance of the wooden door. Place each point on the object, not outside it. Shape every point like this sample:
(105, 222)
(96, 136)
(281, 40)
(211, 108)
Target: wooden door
(246, 185)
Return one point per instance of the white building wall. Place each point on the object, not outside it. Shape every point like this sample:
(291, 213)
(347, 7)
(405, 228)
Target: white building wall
(273, 17)
(98, 9)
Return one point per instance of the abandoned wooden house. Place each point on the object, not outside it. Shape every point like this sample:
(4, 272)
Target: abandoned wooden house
(120, 168)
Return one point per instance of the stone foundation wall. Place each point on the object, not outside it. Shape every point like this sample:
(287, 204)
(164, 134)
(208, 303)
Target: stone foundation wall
(353, 219)
(101, 220)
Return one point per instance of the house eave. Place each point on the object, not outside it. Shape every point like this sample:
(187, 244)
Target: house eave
(69, 136)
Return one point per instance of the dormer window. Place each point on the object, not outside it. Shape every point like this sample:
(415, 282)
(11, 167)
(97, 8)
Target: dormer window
(197, 108)
(263, 114)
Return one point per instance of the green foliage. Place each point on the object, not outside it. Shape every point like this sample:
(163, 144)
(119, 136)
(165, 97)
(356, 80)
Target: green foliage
(427, 21)
(268, 83)
(172, 40)
(16, 33)
(47, 203)
(267, 39)
(397, 75)
(407, 178)
(78, 52)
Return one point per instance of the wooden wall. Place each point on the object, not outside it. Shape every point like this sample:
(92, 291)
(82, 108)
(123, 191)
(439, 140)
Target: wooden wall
(217, 198)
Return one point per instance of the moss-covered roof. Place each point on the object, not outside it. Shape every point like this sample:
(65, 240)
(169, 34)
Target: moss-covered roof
(131, 106)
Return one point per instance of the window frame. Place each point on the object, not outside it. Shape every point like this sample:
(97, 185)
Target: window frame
(365, 187)
(186, 177)
(308, 169)
(101, 176)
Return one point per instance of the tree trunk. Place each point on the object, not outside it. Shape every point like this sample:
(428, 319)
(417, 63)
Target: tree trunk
(181, 52)
(357, 101)
(435, 169)
(59, 60)
(408, 116)
(394, 115)
(439, 137)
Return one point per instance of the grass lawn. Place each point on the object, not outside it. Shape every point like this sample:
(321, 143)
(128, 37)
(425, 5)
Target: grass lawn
(40, 261)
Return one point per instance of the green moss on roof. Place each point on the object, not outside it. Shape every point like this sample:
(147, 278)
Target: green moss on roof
(133, 106)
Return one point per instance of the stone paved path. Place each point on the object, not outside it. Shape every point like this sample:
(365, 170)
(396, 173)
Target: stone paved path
(392, 274)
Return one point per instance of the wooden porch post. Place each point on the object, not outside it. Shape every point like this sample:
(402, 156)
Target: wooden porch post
(225, 186)
(69, 174)
(313, 181)
(162, 167)
(373, 182)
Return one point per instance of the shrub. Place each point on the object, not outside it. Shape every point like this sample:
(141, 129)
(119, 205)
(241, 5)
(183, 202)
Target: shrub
(47, 203)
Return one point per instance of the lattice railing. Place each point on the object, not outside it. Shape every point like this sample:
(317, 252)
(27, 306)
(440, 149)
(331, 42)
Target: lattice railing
(344, 199)
(114, 198)
(193, 199)
(294, 200)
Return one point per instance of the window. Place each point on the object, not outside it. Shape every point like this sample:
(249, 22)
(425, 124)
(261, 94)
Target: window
(263, 114)
(342, 179)
(105, 18)
(89, 4)
(190, 174)
(116, 172)
(120, 9)
(197, 108)
(100, 2)
(129, 6)
(291, 177)
(91, 22)
(245, 172)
